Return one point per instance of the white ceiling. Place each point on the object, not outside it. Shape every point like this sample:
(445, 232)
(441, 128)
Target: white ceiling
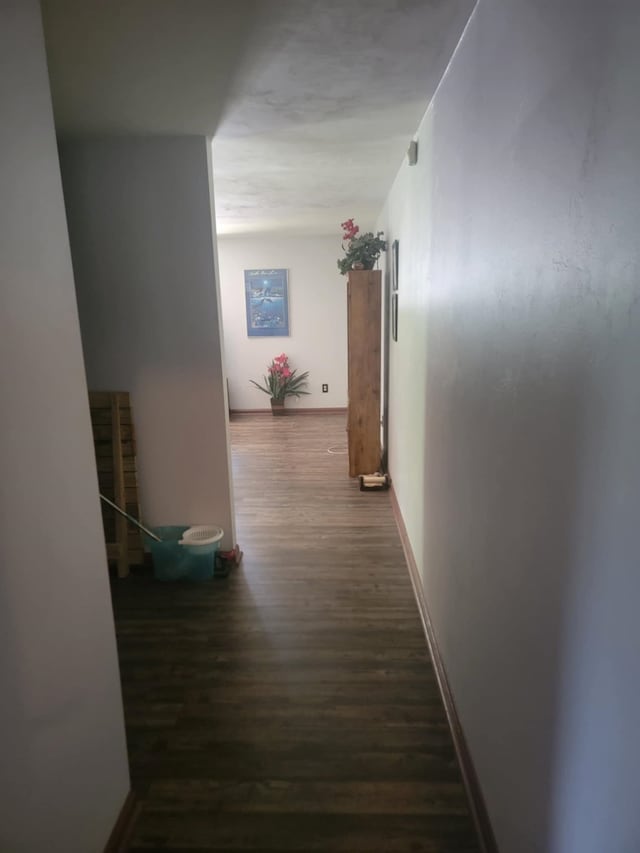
(312, 102)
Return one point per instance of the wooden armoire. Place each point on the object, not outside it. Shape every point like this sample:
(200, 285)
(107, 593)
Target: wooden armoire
(364, 301)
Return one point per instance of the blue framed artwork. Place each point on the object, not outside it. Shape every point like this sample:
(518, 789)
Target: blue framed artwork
(267, 301)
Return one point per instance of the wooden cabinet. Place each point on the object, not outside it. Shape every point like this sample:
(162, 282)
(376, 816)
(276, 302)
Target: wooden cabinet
(364, 299)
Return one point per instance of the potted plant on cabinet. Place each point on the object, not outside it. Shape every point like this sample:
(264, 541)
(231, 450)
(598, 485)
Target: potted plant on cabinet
(281, 382)
(361, 250)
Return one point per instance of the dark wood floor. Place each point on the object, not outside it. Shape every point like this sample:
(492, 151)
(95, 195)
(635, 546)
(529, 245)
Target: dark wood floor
(292, 706)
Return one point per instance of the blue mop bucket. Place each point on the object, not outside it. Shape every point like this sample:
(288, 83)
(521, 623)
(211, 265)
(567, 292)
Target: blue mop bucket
(185, 553)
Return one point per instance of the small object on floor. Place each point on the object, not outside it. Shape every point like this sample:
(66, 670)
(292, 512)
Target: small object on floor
(374, 482)
(226, 560)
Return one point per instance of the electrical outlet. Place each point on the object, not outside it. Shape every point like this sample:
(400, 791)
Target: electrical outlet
(325, 388)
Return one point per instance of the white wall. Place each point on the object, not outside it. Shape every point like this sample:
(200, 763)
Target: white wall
(63, 769)
(140, 222)
(317, 317)
(515, 409)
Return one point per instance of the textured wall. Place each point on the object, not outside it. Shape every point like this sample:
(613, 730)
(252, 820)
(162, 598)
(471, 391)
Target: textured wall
(317, 317)
(63, 769)
(515, 409)
(140, 223)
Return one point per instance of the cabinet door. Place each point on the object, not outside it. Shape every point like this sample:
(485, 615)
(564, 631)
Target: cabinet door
(364, 333)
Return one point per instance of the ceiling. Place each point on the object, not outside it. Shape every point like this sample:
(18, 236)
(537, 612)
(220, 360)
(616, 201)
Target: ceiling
(311, 103)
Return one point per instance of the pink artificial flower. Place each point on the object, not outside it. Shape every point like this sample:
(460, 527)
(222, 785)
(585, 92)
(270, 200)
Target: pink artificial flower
(286, 373)
(350, 229)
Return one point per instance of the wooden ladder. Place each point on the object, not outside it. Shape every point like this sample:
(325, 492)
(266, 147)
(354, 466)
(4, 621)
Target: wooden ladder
(114, 443)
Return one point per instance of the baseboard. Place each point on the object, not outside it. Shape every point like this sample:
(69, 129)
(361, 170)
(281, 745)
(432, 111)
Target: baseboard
(339, 410)
(122, 831)
(469, 776)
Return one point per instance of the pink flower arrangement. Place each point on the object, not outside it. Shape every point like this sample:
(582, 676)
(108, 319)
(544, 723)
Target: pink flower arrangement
(280, 366)
(281, 381)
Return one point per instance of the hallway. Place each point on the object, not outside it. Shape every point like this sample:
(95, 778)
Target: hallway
(292, 706)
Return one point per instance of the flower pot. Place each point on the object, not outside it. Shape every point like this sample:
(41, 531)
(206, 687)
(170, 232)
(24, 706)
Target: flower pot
(277, 407)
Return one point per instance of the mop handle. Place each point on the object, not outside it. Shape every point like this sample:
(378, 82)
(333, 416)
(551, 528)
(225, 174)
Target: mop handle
(130, 518)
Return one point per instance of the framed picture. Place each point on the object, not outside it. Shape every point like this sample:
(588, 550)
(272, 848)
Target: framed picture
(394, 316)
(395, 251)
(267, 303)
(395, 261)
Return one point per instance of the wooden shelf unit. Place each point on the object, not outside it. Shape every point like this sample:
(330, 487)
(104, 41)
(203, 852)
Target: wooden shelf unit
(364, 301)
(115, 449)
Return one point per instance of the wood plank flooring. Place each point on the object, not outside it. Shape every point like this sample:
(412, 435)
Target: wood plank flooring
(292, 706)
